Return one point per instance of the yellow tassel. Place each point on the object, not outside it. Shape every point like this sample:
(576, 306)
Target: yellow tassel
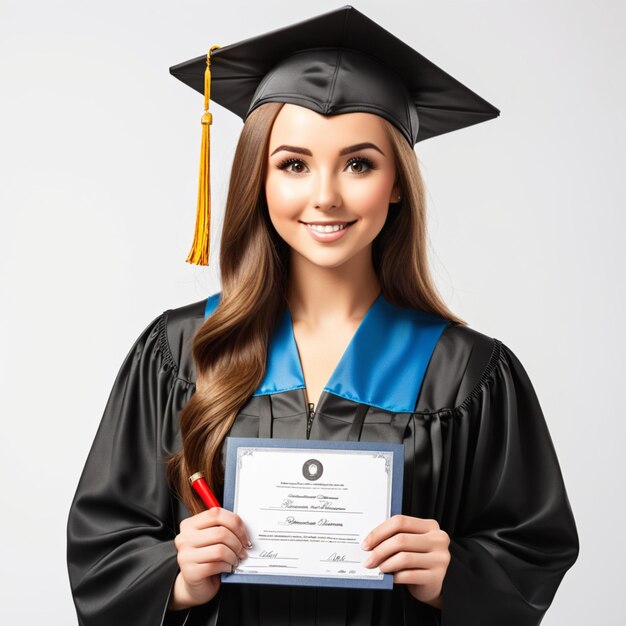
(199, 253)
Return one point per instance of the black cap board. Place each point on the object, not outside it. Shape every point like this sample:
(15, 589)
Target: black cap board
(339, 62)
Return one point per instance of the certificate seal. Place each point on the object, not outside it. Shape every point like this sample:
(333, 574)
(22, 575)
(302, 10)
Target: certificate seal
(312, 469)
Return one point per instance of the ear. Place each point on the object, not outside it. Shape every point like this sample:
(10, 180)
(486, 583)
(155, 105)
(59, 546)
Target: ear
(396, 194)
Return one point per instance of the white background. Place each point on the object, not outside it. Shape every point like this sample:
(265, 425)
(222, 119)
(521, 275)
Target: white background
(99, 151)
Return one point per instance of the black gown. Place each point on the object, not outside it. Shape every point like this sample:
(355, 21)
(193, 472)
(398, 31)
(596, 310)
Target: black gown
(478, 458)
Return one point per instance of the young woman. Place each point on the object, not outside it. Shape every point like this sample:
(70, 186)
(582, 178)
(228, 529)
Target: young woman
(327, 326)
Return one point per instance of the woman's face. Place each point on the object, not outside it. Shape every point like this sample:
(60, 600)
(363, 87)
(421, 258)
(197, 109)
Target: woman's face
(326, 173)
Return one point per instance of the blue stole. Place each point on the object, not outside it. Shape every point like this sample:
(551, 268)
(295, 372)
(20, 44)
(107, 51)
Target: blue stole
(383, 365)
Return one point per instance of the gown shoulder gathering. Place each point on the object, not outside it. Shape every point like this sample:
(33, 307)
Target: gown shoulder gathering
(479, 459)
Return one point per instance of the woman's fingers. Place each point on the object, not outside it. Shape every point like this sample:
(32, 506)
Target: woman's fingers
(398, 524)
(208, 544)
(219, 554)
(411, 561)
(402, 542)
(217, 534)
(218, 516)
(199, 573)
(436, 541)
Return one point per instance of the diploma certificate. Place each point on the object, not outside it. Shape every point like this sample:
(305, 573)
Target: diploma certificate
(308, 505)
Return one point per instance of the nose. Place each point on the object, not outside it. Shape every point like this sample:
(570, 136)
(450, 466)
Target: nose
(326, 194)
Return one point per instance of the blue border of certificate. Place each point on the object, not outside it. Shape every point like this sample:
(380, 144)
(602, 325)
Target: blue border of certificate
(232, 445)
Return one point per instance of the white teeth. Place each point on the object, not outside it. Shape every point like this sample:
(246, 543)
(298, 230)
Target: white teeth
(327, 228)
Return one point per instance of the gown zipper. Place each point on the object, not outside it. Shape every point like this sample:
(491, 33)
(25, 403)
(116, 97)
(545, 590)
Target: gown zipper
(309, 421)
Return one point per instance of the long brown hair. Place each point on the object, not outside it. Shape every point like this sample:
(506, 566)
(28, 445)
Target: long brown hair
(230, 348)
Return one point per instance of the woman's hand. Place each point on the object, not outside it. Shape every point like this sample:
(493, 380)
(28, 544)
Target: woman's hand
(415, 550)
(208, 544)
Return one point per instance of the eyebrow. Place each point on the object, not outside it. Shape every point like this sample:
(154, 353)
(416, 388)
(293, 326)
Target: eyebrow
(348, 150)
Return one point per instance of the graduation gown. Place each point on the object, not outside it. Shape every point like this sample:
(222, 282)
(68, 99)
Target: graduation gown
(478, 458)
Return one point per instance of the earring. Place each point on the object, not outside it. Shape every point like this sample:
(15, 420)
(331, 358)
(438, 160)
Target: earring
(399, 197)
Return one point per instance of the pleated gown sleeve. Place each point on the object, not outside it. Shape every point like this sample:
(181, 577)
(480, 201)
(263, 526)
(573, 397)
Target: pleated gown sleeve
(120, 549)
(503, 503)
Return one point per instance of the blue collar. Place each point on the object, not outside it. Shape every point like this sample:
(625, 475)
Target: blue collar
(383, 365)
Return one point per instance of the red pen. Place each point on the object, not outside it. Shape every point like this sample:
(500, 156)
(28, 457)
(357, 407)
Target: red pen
(202, 489)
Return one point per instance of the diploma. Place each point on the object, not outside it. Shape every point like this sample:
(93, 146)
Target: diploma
(308, 505)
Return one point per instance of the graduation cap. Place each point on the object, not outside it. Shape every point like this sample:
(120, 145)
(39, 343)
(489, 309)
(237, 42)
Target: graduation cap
(337, 62)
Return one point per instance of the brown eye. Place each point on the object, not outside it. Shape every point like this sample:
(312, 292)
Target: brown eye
(361, 164)
(294, 166)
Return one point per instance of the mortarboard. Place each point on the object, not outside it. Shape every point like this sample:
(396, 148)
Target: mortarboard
(336, 62)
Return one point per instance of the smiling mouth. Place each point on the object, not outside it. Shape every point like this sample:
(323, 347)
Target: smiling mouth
(328, 227)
